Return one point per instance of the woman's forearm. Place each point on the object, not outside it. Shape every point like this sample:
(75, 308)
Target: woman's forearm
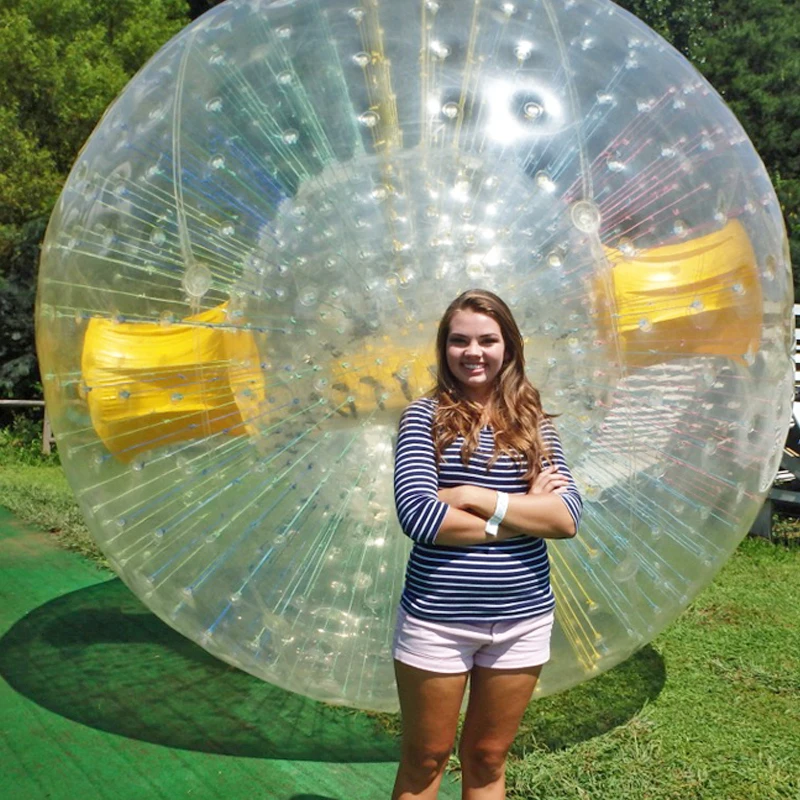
(461, 528)
(542, 515)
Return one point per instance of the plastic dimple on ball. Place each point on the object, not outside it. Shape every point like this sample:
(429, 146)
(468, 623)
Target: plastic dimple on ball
(241, 282)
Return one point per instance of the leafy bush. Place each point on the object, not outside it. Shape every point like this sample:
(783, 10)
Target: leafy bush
(21, 443)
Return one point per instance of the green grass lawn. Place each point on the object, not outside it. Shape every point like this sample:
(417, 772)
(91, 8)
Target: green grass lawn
(711, 709)
(40, 495)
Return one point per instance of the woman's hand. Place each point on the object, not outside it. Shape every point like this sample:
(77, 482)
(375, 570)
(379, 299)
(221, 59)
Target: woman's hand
(548, 481)
(454, 496)
(467, 497)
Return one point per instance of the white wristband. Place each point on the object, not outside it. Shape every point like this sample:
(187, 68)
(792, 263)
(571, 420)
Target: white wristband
(499, 514)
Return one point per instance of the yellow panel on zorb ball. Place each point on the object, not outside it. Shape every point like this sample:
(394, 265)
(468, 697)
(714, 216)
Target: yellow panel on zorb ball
(699, 296)
(148, 385)
(242, 278)
(385, 374)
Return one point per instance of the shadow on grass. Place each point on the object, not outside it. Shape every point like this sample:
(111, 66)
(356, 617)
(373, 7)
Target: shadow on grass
(99, 657)
(593, 708)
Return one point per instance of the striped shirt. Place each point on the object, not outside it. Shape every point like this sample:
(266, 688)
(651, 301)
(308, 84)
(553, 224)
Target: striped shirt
(504, 580)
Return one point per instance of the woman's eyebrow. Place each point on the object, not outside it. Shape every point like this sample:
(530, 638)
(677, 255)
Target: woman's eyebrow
(467, 336)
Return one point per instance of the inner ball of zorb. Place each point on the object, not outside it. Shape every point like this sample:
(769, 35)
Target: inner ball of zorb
(241, 283)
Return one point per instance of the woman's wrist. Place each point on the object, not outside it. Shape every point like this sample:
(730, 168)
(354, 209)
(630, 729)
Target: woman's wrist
(498, 515)
(480, 501)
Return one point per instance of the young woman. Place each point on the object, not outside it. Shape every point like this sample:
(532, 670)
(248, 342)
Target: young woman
(480, 483)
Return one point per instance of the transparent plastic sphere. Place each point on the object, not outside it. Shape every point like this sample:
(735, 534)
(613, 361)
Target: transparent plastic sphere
(241, 282)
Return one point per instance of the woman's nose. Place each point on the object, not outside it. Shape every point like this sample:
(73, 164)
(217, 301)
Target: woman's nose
(473, 349)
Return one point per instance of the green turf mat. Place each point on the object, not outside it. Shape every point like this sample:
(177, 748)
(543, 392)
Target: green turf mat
(99, 699)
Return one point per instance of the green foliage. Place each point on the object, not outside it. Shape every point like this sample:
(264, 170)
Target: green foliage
(748, 51)
(34, 488)
(683, 23)
(61, 64)
(786, 529)
(724, 724)
(199, 7)
(21, 443)
(19, 376)
(63, 61)
(29, 180)
(751, 55)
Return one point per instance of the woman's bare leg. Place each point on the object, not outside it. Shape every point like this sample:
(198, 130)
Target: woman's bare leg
(429, 704)
(497, 701)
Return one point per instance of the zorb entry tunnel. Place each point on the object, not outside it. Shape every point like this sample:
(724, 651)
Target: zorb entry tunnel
(241, 282)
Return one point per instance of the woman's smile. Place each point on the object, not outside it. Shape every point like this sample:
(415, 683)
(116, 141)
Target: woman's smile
(475, 351)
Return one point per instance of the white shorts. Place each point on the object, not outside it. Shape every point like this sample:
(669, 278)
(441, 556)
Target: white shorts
(458, 646)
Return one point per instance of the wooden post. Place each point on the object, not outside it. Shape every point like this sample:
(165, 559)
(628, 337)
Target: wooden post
(47, 431)
(47, 435)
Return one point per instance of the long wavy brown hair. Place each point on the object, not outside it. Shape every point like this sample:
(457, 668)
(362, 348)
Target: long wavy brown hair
(514, 410)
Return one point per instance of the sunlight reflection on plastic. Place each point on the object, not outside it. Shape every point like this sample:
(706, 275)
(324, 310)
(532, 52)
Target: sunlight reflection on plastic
(241, 281)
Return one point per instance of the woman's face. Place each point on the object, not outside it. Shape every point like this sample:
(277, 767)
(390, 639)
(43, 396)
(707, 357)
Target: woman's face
(475, 351)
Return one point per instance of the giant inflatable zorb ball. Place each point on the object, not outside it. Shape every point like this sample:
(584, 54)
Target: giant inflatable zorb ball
(242, 278)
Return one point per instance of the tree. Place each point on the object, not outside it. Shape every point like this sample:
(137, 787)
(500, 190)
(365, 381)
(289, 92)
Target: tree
(61, 64)
(63, 61)
(751, 55)
(683, 23)
(18, 374)
(199, 7)
(748, 50)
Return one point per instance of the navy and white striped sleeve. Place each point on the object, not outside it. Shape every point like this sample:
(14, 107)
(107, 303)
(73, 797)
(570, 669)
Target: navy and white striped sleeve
(571, 496)
(416, 478)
